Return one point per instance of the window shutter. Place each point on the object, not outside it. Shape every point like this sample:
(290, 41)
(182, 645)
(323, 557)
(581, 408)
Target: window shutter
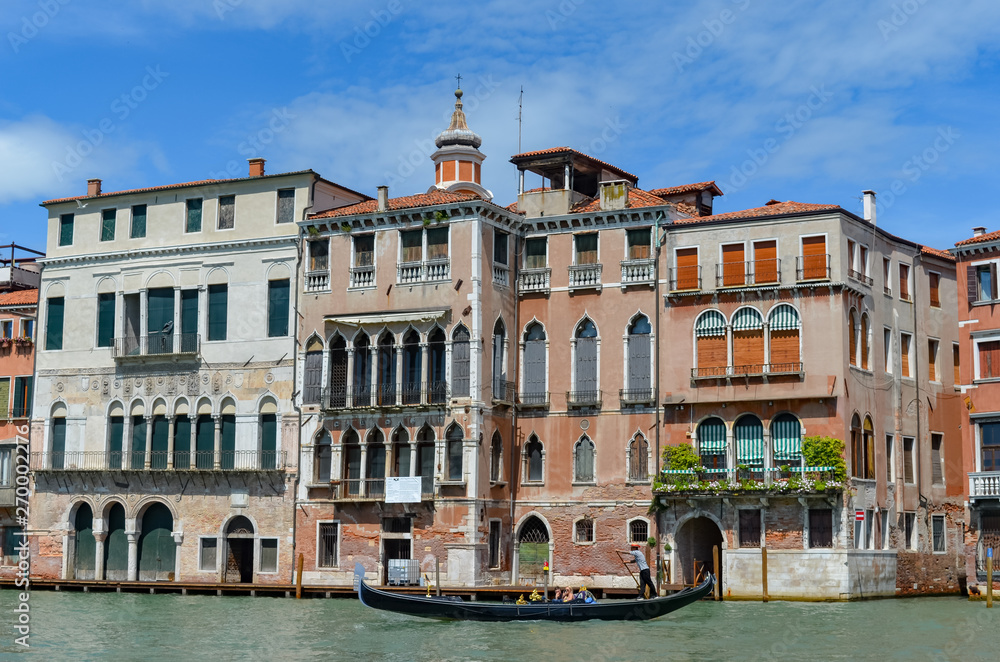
(4, 397)
(277, 308)
(586, 364)
(138, 221)
(194, 215)
(813, 258)
(733, 265)
(54, 324)
(105, 319)
(108, 224)
(904, 351)
(957, 363)
(687, 269)
(748, 349)
(286, 205)
(934, 282)
(765, 257)
(932, 349)
(218, 306)
(971, 283)
(865, 344)
(534, 366)
(937, 471)
(460, 363)
(66, 230)
(638, 362)
(749, 435)
(784, 346)
(227, 212)
(993, 280)
(712, 352)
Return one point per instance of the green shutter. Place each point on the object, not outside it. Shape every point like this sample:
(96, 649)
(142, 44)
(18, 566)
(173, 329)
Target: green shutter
(182, 442)
(138, 221)
(227, 442)
(218, 306)
(749, 435)
(107, 224)
(268, 441)
(712, 437)
(22, 396)
(277, 308)
(161, 432)
(138, 459)
(786, 435)
(116, 433)
(205, 442)
(105, 319)
(54, 324)
(189, 311)
(66, 230)
(4, 397)
(58, 443)
(194, 215)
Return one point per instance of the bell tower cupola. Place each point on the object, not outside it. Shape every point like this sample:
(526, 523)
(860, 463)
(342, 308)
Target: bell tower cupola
(458, 161)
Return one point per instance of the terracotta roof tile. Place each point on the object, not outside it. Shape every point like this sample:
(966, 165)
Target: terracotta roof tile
(405, 202)
(937, 252)
(636, 198)
(776, 209)
(988, 236)
(686, 188)
(570, 150)
(19, 298)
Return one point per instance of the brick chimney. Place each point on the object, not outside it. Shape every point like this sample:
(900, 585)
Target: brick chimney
(383, 198)
(93, 187)
(256, 167)
(869, 206)
(978, 231)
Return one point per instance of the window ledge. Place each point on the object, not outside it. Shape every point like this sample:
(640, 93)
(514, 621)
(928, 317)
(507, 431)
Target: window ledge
(638, 482)
(576, 483)
(451, 483)
(532, 483)
(498, 483)
(987, 380)
(583, 544)
(355, 289)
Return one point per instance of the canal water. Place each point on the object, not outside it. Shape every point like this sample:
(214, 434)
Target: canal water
(101, 626)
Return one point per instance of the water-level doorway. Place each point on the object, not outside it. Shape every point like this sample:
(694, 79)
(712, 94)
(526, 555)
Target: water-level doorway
(116, 546)
(157, 549)
(695, 541)
(532, 551)
(85, 545)
(239, 552)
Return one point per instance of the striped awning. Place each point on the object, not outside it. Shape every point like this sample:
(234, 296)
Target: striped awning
(749, 435)
(784, 318)
(786, 436)
(712, 437)
(711, 323)
(746, 319)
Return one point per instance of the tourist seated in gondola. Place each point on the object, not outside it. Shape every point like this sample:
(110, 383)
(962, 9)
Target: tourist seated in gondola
(568, 595)
(558, 595)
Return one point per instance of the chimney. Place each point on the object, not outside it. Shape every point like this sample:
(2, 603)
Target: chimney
(978, 231)
(614, 196)
(383, 198)
(93, 187)
(256, 167)
(869, 206)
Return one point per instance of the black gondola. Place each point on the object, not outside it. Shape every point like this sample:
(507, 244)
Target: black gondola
(455, 609)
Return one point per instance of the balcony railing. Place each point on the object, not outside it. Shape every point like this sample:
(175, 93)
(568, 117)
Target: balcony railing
(156, 344)
(158, 461)
(534, 280)
(501, 275)
(362, 277)
(373, 489)
(726, 481)
(503, 391)
(16, 412)
(748, 274)
(533, 399)
(585, 276)
(637, 272)
(387, 395)
(318, 281)
(427, 271)
(860, 277)
(583, 398)
(812, 267)
(685, 278)
(984, 484)
(749, 369)
(635, 396)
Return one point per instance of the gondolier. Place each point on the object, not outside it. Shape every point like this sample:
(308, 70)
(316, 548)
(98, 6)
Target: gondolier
(640, 562)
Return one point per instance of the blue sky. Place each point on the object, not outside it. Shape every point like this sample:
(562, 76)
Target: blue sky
(806, 101)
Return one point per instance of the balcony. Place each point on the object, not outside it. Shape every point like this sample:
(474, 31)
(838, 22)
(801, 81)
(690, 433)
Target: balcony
(533, 400)
(685, 279)
(984, 484)
(318, 281)
(15, 413)
(583, 398)
(8, 498)
(748, 274)
(585, 277)
(373, 489)
(748, 370)
(534, 280)
(503, 391)
(501, 275)
(638, 272)
(636, 396)
(428, 271)
(860, 277)
(362, 277)
(159, 461)
(812, 267)
(386, 395)
(760, 481)
(157, 345)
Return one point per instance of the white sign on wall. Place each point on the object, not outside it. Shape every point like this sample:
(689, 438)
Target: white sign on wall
(403, 490)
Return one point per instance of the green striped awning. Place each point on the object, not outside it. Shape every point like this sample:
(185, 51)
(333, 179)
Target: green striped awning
(749, 435)
(712, 437)
(784, 318)
(746, 319)
(786, 436)
(711, 323)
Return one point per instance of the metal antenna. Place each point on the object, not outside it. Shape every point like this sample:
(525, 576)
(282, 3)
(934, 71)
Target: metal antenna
(520, 98)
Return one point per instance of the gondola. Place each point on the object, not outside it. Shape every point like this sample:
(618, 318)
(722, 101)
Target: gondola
(454, 608)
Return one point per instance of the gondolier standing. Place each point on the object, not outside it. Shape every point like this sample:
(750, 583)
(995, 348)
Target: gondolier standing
(640, 562)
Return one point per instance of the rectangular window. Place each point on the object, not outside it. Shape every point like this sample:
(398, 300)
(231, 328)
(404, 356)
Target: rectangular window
(138, 221)
(984, 282)
(6, 455)
(890, 460)
(218, 311)
(750, 527)
(437, 244)
(277, 308)
(193, 223)
(105, 319)
(638, 243)
(319, 255)
(934, 283)
(887, 349)
(66, 230)
(207, 554)
(688, 277)
(494, 543)
(938, 531)
(269, 555)
(937, 458)
(326, 554)
(54, 323)
(852, 258)
(108, 224)
(956, 363)
(500, 247)
(904, 282)
(884, 528)
(534, 253)
(905, 342)
(820, 527)
(814, 259)
(586, 248)
(11, 539)
(412, 246)
(989, 359)
(863, 260)
(908, 459)
(227, 212)
(910, 530)
(364, 251)
(733, 265)
(765, 262)
(7, 329)
(859, 530)
(584, 531)
(27, 328)
(22, 396)
(887, 275)
(932, 352)
(286, 205)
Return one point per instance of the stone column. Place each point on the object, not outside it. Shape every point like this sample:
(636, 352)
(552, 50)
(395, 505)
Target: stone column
(413, 458)
(99, 538)
(177, 320)
(144, 322)
(425, 385)
(217, 455)
(373, 374)
(349, 385)
(171, 426)
(192, 440)
(126, 459)
(133, 554)
(399, 373)
(363, 473)
(147, 459)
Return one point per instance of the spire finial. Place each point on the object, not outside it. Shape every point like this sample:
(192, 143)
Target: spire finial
(459, 79)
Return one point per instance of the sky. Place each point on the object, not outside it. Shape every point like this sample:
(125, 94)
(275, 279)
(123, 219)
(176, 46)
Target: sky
(811, 101)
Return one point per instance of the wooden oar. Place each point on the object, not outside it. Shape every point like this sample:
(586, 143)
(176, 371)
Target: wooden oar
(625, 563)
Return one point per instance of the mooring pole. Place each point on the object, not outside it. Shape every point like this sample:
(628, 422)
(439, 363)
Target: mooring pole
(437, 575)
(763, 569)
(298, 578)
(715, 561)
(989, 578)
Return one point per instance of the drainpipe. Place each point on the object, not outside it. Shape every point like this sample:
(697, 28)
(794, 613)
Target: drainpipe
(656, 379)
(513, 413)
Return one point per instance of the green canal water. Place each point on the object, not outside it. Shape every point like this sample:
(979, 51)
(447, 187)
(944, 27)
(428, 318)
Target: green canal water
(96, 626)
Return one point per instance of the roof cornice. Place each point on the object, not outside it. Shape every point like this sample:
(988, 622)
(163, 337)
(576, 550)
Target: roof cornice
(164, 251)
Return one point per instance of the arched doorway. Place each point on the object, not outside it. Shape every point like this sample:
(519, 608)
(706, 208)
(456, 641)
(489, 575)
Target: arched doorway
(85, 547)
(157, 548)
(239, 552)
(116, 546)
(533, 551)
(695, 540)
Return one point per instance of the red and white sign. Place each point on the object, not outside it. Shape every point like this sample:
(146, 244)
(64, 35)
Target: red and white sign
(859, 516)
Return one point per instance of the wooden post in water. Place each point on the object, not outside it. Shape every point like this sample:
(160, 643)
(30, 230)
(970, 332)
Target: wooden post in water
(437, 575)
(989, 578)
(298, 578)
(715, 561)
(763, 569)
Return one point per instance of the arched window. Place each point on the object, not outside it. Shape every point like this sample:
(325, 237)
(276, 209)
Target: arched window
(57, 436)
(312, 374)
(783, 325)
(351, 452)
(425, 459)
(639, 385)
(453, 441)
(116, 433)
(853, 337)
(869, 443)
(857, 448)
(411, 368)
(583, 530)
(375, 464)
(748, 342)
(438, 386)
(400, 452)
(583, 460)
(496, 457)
(749, 435)
(386, 370)
(786, 439)
(865, 341)
(500, 387)
(534, 365)
(585, 390)
(533, 456)
(338, 369)
(460, 362)
(711, 435)
(638, 531)
(638, 459)
(324, 455)
(710, 344)
(361, 390)
(269, 453)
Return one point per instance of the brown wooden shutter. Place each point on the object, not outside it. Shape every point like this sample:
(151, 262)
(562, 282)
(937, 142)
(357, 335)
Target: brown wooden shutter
(904, 352)
(813, 258)
(712, 351)
(989, 359)
(932, 347)
(853, 338)
(865, 343)
(971, 284)
(748, 349)
(904, 282)
(785, 346)
(733, 265)
(934, 281)
(687, 269)
(956, 360)
(765, 258)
